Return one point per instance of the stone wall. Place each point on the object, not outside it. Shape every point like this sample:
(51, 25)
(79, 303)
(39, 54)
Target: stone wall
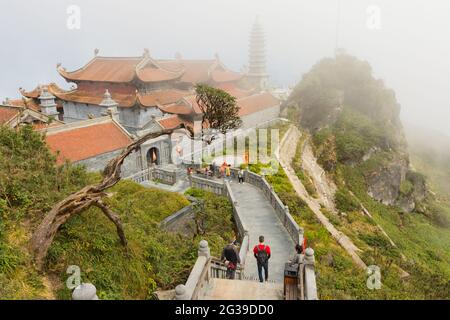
(257, 118)
(98, 163)
(74, 111)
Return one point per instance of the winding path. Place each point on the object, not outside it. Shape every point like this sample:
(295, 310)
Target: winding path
(259, 218)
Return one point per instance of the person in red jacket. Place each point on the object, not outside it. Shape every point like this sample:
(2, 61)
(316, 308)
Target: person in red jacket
(262, 255)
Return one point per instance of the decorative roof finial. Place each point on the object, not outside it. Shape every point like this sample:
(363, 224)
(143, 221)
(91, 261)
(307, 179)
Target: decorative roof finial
(216, 55)
(146, 52)
(108, 100)
(178, 56)
(58, 65)
(96, 51)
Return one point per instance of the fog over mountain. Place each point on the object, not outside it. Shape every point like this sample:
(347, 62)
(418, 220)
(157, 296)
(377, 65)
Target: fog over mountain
(409, 51)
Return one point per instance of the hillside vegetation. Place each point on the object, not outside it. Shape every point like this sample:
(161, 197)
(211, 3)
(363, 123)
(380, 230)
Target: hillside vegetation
(352, 121)
(154, 259)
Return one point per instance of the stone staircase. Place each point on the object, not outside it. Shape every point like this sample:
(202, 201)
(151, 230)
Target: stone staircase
(223, 289)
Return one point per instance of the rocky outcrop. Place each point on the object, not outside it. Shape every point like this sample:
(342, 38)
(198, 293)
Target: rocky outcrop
(395, 184)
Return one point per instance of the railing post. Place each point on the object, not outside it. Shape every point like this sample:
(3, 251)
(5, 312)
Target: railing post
(180, 292)
(85, 291)
(310, 276)
(203, 249)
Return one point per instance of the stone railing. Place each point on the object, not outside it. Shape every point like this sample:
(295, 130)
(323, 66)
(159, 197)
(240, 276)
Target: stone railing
(208, 185)
(307, 276)
(205, 268)
(160, 174)
(282, 211)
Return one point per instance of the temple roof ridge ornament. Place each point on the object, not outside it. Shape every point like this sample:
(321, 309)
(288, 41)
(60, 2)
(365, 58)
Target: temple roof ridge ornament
(108, 101)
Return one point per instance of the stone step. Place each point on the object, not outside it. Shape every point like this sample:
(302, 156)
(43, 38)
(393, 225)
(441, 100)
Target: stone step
(224, 289)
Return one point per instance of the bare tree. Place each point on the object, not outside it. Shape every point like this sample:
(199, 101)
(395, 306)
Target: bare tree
(83, 199)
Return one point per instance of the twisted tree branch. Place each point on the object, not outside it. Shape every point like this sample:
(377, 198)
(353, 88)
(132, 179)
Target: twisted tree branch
(84, 199)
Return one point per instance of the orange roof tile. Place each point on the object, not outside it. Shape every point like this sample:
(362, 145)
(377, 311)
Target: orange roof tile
(86, 142)
(233, 90)
(53, 88)
(256, 102)
(176, 108)
(8, 113)
(171, 122)
(195, 71)
(105, 69)
(225, 76)
(152, 74)
(161, 97)
(95, 96)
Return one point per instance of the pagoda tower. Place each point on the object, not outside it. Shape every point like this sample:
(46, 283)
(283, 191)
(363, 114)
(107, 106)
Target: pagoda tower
(257, 74)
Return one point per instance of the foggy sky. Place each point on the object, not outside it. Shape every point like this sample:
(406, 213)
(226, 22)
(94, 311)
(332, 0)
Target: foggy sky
(411, 51)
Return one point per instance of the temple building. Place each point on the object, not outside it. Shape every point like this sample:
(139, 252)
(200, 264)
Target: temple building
(19, 112)
(140, 95)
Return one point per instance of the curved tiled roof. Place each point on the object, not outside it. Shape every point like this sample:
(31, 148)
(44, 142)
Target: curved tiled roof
(161, 97)
(151, 74)
(8, 113)
(225, 76)
(53, 88)
(104, 69)
(84, 142)
(256, 102)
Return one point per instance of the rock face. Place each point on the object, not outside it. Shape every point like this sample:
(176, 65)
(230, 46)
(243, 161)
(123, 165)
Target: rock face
(395, 185)
(384, 183)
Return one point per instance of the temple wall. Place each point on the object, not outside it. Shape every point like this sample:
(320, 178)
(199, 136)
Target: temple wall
(74, 111)
(258, 118)
(136, 118)
(131, 165)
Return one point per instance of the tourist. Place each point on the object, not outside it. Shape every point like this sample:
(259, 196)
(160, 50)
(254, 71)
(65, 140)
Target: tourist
(262, 255)
(228, 172)
(241, 175)
(231, 258)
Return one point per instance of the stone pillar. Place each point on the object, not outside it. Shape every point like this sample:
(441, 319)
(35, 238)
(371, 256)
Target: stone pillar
(203, 249)
(180, 292)
(85, 291)
(309, 256)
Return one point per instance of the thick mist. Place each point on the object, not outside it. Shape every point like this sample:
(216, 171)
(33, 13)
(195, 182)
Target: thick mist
(405, 41)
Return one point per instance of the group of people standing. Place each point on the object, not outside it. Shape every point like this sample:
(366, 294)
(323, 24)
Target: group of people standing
(224, 172)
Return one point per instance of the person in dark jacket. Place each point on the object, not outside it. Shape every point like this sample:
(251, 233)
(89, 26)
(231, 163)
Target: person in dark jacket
(231, 258)
(262, 254)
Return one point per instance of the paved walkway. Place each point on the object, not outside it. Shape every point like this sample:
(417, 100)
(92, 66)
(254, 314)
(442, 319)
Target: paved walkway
(259, 218)
(222, 289)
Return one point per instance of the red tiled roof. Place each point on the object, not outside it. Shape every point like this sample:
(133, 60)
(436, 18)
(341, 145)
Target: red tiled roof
(176, 108)
(7, 113)
(195, 71)
(225, 76)
(87, 142)
(95, 96)
(105, 69)
(152, 74)
(172, 122)
(233, 90)
(161, 97)
(53, 88)
(256, 102)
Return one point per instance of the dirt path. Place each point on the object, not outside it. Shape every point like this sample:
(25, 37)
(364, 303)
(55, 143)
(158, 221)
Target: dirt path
(287, 152)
